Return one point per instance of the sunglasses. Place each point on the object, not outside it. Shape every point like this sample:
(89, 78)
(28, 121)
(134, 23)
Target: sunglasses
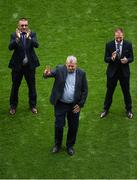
(22, 25)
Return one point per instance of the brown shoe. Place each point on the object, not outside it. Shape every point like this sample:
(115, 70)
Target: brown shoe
(34, 110)
(12, 111)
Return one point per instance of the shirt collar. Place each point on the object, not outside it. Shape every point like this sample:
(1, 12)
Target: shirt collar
(74, 72)
(23, 33)
(121, 43)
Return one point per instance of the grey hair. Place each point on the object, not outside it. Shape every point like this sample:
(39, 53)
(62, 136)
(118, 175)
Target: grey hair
(72, 59)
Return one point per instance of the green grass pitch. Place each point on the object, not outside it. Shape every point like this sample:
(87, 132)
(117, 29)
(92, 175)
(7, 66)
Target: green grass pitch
(105, 148)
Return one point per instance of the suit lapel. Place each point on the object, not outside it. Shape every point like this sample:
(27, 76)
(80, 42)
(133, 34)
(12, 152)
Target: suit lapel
(123, 47)
(113, 46)
(65, 72)
(77, 79)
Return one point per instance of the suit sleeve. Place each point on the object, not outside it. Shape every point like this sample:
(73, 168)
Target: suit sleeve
(13, 43)
(130, 54)
(84, 91)
(108, 54)
(34, 41)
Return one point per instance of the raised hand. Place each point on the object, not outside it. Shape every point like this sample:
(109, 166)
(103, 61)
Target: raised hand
(18, 33)
(28, 34)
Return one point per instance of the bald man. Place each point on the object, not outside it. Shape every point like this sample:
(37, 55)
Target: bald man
(118, 55)
(68, 96)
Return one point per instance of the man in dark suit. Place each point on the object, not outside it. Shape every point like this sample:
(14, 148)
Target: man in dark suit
(118, 55)
(68, 96)
(23, 62)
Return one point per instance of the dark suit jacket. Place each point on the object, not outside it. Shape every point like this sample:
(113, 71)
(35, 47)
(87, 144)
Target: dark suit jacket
(19, 54)
(113, 66)
(81, 88)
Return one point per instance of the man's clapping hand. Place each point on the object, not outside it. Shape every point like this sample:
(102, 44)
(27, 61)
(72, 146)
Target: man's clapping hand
(28, 34)
(18, 33)
(113, 56)
(124, 60)
(47, 71)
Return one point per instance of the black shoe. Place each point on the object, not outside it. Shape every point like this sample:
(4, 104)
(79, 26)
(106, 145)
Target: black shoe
(12, 111)
(34, 110)
(104, 114)
(129, 114)
(55, 149)
(70, 151)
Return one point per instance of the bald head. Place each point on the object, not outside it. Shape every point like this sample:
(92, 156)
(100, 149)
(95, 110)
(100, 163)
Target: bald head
(71, 63)
(119, 34)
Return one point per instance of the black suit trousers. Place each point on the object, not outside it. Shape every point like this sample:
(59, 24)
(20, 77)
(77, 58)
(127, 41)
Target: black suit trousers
(16, 81)
(63, 110)
(111, 85)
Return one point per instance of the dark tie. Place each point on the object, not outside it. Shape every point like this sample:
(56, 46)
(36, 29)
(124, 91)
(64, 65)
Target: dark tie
(24, 40)
(118, 50)
(25, 60)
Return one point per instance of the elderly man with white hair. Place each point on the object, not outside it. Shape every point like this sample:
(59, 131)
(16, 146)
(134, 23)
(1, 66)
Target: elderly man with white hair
(68, 96)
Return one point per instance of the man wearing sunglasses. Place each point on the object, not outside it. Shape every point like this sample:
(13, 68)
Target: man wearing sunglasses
(23, 63)
(68, 96)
